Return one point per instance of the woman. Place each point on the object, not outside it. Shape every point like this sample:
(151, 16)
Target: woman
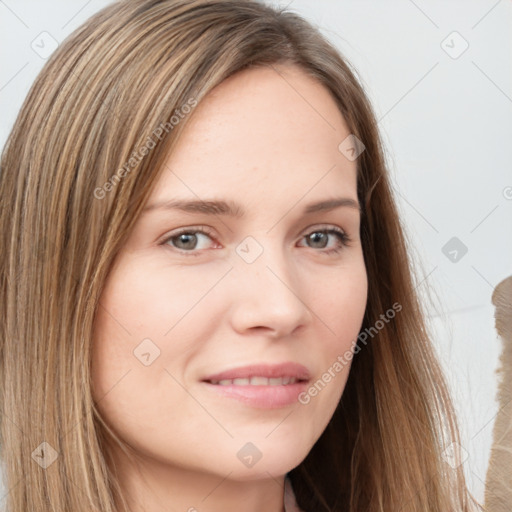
(172, 336)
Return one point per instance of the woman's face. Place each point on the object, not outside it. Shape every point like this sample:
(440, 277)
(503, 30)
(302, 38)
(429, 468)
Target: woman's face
(199, 336)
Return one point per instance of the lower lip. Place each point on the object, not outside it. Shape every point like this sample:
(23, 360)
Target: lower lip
(262, 397)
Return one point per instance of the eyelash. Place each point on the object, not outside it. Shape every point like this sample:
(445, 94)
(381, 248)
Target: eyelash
(344, 239)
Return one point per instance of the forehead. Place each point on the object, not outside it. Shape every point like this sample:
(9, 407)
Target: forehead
(264, 131)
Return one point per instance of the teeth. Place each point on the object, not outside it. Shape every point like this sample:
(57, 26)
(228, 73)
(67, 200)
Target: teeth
(260, 381)
(256, 381)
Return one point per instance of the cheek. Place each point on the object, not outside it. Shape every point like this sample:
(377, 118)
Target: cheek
(140, 304)
(146, 323)
(340, 310)
(146, 301)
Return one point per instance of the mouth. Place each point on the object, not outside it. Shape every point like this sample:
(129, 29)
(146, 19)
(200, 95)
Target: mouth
(257, 380)
(261, 386)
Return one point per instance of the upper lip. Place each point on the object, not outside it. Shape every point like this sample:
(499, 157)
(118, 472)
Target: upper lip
(288, 369)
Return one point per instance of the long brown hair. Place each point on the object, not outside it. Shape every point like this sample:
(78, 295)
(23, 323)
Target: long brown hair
(73, 181)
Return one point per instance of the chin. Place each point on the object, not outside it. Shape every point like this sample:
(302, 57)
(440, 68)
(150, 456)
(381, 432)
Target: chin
(261, 460)
(260, 471)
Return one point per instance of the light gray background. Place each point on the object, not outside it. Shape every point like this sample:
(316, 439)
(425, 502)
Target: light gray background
(445, 115)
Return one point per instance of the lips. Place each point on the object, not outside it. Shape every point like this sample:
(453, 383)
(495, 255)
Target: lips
(256, 381)
(260, 386)
(262, 374)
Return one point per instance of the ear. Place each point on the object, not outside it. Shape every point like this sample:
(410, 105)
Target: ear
(498, 485)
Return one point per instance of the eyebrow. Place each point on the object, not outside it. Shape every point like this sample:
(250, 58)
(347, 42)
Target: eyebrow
(233, 209)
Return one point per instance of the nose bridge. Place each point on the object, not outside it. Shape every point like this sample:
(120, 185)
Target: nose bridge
(268, 287)
(266, 262)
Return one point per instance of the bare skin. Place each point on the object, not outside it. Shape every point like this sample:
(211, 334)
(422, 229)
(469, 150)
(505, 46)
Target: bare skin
(268, 140)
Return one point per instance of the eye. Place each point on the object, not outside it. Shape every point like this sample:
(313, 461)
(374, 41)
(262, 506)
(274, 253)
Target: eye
(187, 240)
(343, 239)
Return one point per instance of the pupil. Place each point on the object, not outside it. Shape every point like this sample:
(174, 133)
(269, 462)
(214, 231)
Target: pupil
(184, 236)
(315, 237)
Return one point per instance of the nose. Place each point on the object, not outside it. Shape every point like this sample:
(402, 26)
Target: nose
(268, 295)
